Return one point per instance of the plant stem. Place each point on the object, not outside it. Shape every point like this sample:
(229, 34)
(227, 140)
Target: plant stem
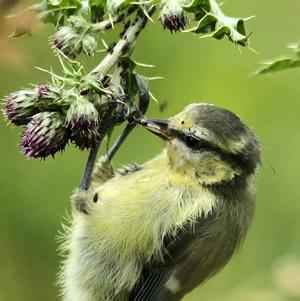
(124, 45)
(126, 42)
(119, 141)
(142, 108)
(87, 174)
(108, 24)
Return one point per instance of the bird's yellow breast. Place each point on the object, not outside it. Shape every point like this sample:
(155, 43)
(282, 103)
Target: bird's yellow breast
(136, 211)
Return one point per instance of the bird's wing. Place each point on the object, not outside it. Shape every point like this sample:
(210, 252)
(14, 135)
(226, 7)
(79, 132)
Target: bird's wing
(152, 284)
(128, 169)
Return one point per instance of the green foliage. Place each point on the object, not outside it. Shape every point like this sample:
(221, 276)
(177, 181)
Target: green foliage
(214, 23)
(84, 98)
(281, 64)
(97, 8)
(55, 11)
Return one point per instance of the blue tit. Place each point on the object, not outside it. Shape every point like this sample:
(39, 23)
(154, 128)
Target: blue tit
(154, 232)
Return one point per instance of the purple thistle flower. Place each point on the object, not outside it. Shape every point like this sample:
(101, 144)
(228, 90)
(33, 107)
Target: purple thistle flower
(20, 106)
(44, 135)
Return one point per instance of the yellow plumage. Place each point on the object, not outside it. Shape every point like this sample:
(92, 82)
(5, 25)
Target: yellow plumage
(124, 229)
(119, 226)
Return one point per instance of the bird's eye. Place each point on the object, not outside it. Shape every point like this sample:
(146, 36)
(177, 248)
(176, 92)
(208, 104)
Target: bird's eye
(192, 142)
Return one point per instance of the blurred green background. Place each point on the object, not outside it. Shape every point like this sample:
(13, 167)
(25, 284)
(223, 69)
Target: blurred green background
(34, 195)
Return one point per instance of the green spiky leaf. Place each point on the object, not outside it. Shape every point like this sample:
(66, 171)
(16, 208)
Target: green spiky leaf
(54, 11)
(279, 65)
(98, 8)
(214, 23)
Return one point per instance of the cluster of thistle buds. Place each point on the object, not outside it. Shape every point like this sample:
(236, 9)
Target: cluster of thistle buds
(74, 107)
(51, 118)
(76, 37)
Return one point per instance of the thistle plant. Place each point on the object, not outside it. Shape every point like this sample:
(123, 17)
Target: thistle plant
(82, 107)
(282, 63)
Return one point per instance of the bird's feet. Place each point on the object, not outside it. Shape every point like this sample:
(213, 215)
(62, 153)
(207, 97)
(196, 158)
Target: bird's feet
(103, 171)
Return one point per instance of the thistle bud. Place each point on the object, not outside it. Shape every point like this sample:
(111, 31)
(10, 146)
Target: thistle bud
(89, 45)
(49, 98)
(78, 24)
(67, 41)
(172, 15)
(41, 91)
(82, 115)
(20, 106)
(85, 139)
(82, 120)
(44, 135)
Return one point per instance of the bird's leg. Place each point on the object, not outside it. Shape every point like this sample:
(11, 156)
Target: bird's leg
(103, 170)
(80, 200)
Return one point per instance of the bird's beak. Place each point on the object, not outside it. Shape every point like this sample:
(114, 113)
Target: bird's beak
(158, 127)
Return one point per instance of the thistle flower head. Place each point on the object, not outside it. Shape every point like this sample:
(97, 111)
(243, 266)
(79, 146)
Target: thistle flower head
(67, 41)
(172, 15)
(41, 90)
(44, 135)
(89, 45)
(20, 106)
(82, 115)
(85, 139)
(49, 97)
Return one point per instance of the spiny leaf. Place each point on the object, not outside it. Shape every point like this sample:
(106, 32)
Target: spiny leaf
(54, 11)
(279, 65)
(213, 22)
(98, 8)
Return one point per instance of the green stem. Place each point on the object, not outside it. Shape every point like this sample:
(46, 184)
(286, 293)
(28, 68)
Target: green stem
(87, 174)
(126, 42)
(124, 45)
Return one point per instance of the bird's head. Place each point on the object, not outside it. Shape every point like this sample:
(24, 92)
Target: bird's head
(210, 142)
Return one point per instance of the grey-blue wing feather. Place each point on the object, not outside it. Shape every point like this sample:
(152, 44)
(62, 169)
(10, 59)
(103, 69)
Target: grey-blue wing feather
(152, 284)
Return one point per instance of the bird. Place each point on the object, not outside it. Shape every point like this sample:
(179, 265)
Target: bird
(156, 231)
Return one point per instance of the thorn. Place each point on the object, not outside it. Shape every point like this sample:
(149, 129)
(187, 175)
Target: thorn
(249, 18)
(153, 97)
(145, 12)
(253, 50)
(111, 21)
(205, 36)
(144, 65)
(155, 78)
(104, 44)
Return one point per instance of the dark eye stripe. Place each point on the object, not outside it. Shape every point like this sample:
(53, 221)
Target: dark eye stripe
(193, 142)
(235, 160)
